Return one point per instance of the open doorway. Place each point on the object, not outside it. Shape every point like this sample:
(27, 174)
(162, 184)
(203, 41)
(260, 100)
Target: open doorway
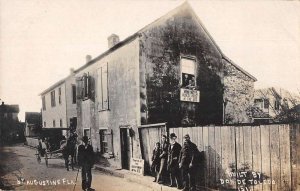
(125, 148)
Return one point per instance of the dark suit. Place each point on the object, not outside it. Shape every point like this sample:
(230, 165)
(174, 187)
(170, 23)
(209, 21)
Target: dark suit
(86, 161)
(155, 160)
(163, 161)
(186, 159)
(173, 165)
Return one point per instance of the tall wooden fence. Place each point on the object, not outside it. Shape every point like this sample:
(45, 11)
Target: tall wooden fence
(150, 134)
(265, 157)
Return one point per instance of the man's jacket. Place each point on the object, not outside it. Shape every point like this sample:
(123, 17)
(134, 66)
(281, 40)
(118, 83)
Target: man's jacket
(173, 155)
(85, 155)
(164, 148)
(187, 153)
(155, 155)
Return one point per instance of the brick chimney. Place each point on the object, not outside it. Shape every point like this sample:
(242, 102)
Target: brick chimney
(113, 40)
(88, 58)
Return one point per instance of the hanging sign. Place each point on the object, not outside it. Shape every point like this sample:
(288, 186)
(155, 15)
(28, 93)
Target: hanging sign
(189, 95)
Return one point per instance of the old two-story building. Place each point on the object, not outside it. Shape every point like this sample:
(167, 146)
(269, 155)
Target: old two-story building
(274, 102)
(170, 72)
(59, 104)
(11, 129)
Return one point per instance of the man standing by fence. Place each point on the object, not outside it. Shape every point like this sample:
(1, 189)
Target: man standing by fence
(86, 161)
(186, 163)
(173, 158)
(163, 160)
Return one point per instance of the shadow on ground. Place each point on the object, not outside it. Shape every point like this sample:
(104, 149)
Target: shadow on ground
(7, 155)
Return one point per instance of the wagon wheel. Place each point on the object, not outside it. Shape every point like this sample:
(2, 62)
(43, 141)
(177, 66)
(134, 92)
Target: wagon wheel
(38, 158)
(46, 159)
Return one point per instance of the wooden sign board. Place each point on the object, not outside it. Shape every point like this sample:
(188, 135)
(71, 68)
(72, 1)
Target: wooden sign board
(137, 166)
(189, 95)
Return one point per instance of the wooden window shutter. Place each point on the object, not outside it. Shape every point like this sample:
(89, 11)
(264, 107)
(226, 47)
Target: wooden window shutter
(105, 86)
(79, 88)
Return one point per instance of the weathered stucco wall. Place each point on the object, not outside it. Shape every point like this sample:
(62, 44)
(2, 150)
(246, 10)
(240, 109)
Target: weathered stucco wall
(70, 106)
(238, 94)
(123, 98)
(162, 44)
(58, 111)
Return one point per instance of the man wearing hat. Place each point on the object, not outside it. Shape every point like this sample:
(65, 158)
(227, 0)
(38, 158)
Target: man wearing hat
(86, 161)
(186, 163)
(173, 158)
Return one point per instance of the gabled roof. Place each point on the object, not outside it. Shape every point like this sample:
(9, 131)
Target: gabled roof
(53, 86)
(9, 108)
(33, 118)
(185, 5)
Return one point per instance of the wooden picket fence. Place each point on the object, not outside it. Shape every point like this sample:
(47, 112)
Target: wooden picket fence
(265, 157)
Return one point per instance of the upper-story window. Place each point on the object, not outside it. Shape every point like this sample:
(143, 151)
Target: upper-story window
(73, 93)
(60, 123)
(86, 85)
(44, 103)
(262, 103)
(188, 72)
(59, 95)
(53, 123)
(266, 103)
(276, 104)
(44, 123)
(53, 98)
(102, 87)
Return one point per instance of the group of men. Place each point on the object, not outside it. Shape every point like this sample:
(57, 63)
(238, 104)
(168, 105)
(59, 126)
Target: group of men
(177, 161)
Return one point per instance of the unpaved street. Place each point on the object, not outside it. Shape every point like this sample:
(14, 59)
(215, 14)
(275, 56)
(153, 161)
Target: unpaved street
(19, 170)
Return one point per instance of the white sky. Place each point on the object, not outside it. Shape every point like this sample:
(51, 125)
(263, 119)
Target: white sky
(40, 40)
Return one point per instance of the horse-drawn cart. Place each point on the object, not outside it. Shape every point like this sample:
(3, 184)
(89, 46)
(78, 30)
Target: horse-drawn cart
(49, 144)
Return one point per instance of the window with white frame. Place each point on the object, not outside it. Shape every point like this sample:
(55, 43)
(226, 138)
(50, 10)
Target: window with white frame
(103, 141)
(53, 123)
(53, 98)
(188, 72)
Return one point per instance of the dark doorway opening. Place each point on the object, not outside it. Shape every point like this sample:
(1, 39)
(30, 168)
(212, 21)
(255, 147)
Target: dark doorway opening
(125, 148)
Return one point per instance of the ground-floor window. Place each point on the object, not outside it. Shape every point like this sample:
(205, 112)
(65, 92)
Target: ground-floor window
(86, 132)
(103, 141)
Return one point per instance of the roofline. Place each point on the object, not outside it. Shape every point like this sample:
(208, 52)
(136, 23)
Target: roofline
(53, 86)
(239, 68)
(216, 45)
(112, 49)
(137, 34)
(128, 39)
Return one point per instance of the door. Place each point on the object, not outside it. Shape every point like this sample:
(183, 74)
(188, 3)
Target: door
(125, 148)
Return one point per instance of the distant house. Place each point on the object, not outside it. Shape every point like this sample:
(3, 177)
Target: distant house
(9, 112)
(33, 123)
(10, 127)
(59, 104)
(275, 101)
(170, 72)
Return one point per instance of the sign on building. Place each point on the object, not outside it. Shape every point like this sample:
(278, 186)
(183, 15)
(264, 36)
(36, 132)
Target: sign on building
(189, 95)
(137, 166)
